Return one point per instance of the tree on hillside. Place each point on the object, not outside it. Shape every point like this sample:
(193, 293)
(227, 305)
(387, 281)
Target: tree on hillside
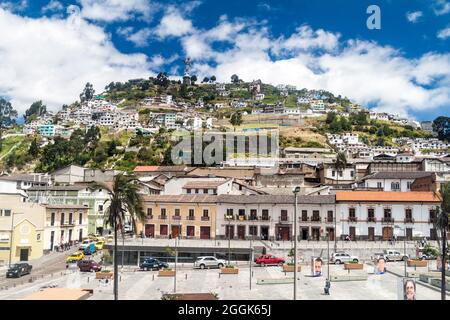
(162, 80)
(441, 126)
(37, 109)
(88, 93)
(92, 137)
(330, 117)
(7, 114)
(234, 79)
(205, 80)
(34, 148)
(193, 79)
(236, 119)
(213, 79)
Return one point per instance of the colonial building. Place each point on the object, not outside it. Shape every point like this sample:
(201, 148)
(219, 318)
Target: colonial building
(366, 215)
(271, 217)
(186, 216)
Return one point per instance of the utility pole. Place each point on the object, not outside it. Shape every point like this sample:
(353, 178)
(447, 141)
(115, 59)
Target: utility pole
(176, 261)
(11, 238)
(229, 240)
(295, 191)
(404, 246)
(251, 260)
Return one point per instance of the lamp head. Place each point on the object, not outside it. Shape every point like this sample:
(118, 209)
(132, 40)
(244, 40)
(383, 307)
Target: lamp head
(296, 189)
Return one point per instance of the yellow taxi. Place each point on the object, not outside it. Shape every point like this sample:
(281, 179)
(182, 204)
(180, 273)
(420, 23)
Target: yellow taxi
(99, 245)
(77, 256)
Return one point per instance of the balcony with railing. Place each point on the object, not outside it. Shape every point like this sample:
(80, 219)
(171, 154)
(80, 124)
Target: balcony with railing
(264, 218)
(228, 217)
(371, 219)
(205, 218)
(316, 219)
(352, 219)
(241, 217)
(164, 217)
(330, 219)
(303, 219)
(150, 217)
(68, 224)
(253, 218)
(190, 218)
(176, 217)
(409, 220)
(387, 220)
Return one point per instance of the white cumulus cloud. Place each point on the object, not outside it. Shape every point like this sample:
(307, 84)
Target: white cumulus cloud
(444, 33)
(115, 10)
(414, 16)
(51, 59)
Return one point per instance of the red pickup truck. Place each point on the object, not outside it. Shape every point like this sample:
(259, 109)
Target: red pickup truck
(268, 259)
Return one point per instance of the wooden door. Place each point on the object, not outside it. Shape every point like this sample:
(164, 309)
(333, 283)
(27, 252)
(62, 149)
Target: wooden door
(205, 232)
(150, 230)
(387, 233)
(371, 234)
(353, 233)
(176, 231)
(190, 231)
(241, 232)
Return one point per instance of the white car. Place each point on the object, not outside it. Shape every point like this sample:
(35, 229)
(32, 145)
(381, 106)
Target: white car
(84, 244)
(341, 257)
(393, 255)
(209, 262)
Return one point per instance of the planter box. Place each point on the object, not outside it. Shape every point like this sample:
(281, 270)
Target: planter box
(166, 273)
(104, 275)
(290, 268)
(437, 283)
(353, 266)
(229, 270)
(417, 263)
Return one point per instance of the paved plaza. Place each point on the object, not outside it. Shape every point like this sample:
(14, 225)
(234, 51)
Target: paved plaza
(142, 285)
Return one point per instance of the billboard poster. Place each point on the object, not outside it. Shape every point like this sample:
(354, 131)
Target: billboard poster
(380, 266)
(316, 266)
(407, 289)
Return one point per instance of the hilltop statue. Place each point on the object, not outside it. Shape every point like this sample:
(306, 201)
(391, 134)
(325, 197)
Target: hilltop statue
(187, 69)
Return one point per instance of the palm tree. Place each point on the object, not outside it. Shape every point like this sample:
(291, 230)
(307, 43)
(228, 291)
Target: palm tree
(124, 200)
(339, 164)
(442, 225)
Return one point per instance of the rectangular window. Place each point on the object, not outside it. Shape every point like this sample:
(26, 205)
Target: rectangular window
(191, 212)
(408, 214)
(7, 213)
(177, 212)
(188, 191)
(379, 185)
(253, 214)
(205, 213)
(190, 231)
(149, 211)
(333, 173)
(80, 215)
(62, 218)
(304, 215)
(205, 191)
(330, 216)
(284, 215)
(387, 213)
(265, 215)
(253, 230)
(163, 212)
(316, 215)
(408, 185)
(351, 212)
(100, 207)
(70, 217)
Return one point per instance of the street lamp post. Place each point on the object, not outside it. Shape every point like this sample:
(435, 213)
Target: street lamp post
(295, 191)
(404, 244)
(229, 240)
(11, 238)
(176, 262)
(251, 260)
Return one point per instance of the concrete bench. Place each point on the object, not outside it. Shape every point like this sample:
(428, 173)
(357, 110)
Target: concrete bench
(275, 281)
(349, 277)
(416, 274)
(437, 283)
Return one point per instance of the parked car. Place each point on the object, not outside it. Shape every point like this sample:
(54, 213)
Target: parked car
(18, 269)
(89, 265)
(209, 262)
(77, 256)
(99, 245)
(341, 257)
(394, 255)
(269, 259)
(90, 249)
(427, 256)
(86, 243)
(152, 264)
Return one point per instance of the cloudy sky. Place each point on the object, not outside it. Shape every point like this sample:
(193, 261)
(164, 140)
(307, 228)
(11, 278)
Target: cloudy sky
(49, 49)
